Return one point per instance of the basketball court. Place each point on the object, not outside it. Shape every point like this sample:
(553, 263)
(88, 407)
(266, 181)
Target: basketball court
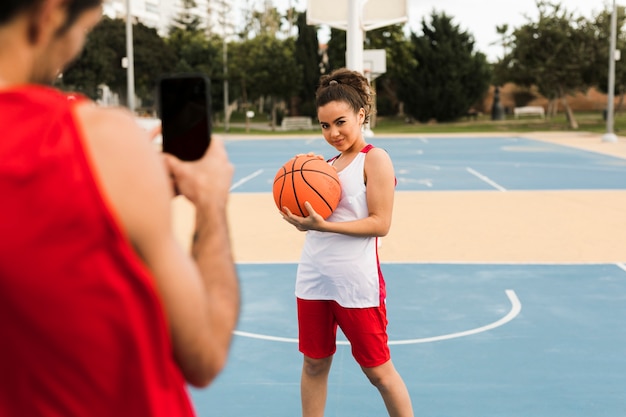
(506, 274)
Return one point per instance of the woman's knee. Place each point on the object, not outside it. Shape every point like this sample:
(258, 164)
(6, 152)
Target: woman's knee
(315, 367)
(381, 376)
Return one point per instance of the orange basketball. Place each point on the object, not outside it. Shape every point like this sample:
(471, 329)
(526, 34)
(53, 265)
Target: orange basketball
(307, 178)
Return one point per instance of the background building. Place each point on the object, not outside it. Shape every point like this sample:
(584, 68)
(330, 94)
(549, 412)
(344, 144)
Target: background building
(160, 14)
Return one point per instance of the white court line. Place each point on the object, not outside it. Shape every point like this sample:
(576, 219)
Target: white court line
(622, 266)
(485, 179)
(246, 179)
(516, 307)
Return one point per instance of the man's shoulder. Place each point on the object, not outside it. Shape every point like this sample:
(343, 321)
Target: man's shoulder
(114, 131)
(114, 123)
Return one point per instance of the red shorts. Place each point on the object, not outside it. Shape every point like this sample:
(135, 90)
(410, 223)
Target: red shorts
(365, 328)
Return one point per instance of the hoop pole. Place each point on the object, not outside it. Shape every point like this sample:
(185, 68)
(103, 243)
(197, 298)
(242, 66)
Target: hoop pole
(355, 36)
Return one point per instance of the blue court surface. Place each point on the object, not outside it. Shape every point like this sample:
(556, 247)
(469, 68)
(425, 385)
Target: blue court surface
(470, 340)
(444, 164)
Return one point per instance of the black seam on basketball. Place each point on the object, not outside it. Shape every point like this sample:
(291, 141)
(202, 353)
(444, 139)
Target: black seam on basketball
(320, 172)
(293, 185)
(282, 188)
(313, 188)
(302, 168)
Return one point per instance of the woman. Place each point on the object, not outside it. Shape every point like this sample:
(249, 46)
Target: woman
(339, 281)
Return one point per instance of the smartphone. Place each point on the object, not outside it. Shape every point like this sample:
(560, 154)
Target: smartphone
(185, 112)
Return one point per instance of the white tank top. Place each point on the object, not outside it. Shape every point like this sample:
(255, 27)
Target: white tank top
(338, 267)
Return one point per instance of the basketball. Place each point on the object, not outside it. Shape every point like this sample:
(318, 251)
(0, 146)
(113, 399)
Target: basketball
(307, 178)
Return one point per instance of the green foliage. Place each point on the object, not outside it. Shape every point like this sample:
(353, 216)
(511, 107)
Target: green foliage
(436, 74)
(194, 52)
(336, 49)
(96, 65)
(554, 53)
(446, 76)
(261, 23)
(265, 66)
(399, 57)
(100, 61)
(308, 60)
(600, 29)
(186, 20)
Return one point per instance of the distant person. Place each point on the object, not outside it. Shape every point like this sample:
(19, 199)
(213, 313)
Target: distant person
(102, 313)
(339, 281)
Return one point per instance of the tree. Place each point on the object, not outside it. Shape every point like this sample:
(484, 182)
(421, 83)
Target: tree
(95, 66)
(257, 23)
(266, 67)
(100, 61)
(194, 52)
(447, 76)
(308, 59)
(399, 60)
(337, 49)
(505, 38)
(552, 54)
(186, 20)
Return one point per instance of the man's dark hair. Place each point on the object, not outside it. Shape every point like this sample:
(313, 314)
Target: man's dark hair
(11, 8)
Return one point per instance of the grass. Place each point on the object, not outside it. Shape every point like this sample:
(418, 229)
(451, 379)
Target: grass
(587, 122)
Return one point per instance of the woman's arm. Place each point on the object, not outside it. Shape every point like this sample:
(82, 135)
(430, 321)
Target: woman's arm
(380, 188)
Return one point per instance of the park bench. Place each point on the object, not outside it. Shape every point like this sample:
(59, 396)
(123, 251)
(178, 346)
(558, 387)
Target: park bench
(296, 123)
(529, 111)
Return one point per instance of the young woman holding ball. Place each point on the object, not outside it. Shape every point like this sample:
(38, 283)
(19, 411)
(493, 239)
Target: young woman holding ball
(339, 281)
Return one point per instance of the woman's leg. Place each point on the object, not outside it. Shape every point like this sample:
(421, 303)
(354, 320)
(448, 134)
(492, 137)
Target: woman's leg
(392, 388)
(314, 385)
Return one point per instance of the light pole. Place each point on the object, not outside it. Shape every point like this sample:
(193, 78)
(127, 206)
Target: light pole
(130, 69)
(610, 136)
(225, 8)
(226, 104)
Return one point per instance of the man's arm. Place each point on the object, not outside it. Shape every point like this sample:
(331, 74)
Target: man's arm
(201, 298)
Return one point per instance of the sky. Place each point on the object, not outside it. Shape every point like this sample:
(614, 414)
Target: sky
(478, 17)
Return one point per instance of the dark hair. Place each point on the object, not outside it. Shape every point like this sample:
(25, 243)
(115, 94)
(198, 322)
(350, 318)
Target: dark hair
(348, 86)
(11, 8)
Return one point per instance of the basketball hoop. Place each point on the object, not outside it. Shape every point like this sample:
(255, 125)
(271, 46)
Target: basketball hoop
(356, 17)
(374, 63)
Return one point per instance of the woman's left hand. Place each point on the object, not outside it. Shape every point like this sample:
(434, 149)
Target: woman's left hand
(312, 222)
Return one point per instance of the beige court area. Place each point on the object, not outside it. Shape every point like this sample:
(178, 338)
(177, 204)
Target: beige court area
(457, 226)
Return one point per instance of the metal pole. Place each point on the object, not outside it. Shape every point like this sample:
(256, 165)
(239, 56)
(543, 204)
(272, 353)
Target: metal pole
(130, 70)
(223, 12)
(609, 136)
(354, 36)
(226, 115)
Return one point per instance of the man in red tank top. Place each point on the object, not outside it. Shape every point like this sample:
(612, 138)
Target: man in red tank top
(102, 313)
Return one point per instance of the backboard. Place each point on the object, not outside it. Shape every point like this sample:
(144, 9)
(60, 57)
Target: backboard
(374, 63)
(375, 13)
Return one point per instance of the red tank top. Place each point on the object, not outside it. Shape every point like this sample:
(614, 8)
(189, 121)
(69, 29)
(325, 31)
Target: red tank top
(82, 330)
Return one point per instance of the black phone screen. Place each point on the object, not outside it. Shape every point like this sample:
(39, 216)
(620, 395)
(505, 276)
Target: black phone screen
(184, 102)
